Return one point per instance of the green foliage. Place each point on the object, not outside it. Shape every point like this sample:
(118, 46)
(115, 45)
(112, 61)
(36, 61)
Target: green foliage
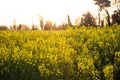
(88, 20)
(72, 54)
(102, 3)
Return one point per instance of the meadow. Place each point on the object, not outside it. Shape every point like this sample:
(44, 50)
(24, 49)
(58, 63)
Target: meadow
(72, 54)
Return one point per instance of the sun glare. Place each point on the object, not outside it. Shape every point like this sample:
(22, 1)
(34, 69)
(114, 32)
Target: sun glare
(28, 11)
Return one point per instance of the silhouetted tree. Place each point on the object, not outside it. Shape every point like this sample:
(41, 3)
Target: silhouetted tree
(19, 27)
(34, 27)
(54, 26)
(3, 27)
(69, 22)
(48, 25)
(108, 17)
(64, 26)
(23, 27)
(102, 23)
(116, 17)
(88, 20)
(103, 4)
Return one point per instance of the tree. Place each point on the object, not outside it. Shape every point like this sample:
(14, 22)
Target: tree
(48, 25)
(23, 27)
(103, 4)
(108, 17)
(14, 26)
(19, 27)
(88, 20)
(116, 15)
(64, 26)
(34, 27)
(2, 27)
(69, 22)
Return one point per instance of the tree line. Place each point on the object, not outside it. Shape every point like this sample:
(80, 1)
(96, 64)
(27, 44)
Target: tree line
(87, 18)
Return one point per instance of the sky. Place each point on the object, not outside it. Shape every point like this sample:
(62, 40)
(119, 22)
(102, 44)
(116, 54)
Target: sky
(28, 11)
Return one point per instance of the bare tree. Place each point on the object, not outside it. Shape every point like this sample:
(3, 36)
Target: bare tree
(69, 21)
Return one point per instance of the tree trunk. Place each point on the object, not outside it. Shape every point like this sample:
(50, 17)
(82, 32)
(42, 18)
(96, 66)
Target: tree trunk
(69, 22)
(41, 24)
(99, 18)
(102, 23)
(108, 18)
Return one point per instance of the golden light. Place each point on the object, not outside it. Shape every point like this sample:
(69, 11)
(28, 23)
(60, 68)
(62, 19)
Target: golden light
(56, 10)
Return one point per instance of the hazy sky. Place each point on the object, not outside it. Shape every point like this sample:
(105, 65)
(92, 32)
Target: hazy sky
(55, 10)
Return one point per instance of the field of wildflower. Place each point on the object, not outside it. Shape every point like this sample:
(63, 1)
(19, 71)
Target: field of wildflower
(72, 54)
